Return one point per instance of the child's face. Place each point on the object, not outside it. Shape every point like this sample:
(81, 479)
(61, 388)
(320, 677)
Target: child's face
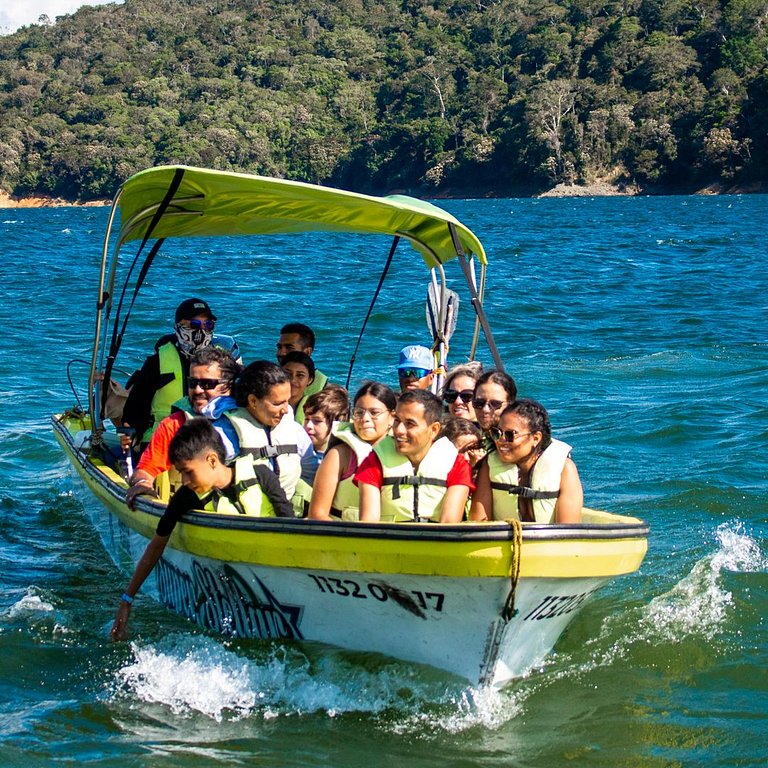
(199, 473)
(318, 428)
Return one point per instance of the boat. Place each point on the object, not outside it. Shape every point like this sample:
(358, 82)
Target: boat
(483, 601)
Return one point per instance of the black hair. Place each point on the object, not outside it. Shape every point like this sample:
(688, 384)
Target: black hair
(306, 334)
(504, 380)
(257, 379)
(433, 405)
(455, 426)
(300, 357)
(381, 392)
(193, 438)
(211, 354)
(332, 402)
(537, 417)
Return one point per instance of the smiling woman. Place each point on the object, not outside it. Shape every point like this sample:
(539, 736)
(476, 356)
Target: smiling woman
(530, 476)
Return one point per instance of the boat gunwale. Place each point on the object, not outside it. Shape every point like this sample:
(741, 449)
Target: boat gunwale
(634, 528)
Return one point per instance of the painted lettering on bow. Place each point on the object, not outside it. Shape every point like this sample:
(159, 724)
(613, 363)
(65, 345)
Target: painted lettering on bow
(557, 605)
(221, 599)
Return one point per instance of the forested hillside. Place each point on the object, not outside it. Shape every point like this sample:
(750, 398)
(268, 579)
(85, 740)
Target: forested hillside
(432, 97)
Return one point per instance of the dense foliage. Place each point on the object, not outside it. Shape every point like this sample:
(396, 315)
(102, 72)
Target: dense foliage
(430, 96)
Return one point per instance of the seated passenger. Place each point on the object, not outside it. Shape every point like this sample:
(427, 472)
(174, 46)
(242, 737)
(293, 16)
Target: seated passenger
(493, 392)
(266, 429)
(335, 495)
(297, 337)
(415, 475)
(210, 485)
(212, 372)
(466, 436)
(162, 379)
(301, 369)
(416, 367)
(530, 476)
(459, 390)
(321, 410)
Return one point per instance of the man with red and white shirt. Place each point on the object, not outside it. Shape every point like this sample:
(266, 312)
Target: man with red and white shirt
(413, 475)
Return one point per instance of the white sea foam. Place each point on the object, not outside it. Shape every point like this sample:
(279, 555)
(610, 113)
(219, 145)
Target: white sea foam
(31, 605)
(698, 604)
(198, 675)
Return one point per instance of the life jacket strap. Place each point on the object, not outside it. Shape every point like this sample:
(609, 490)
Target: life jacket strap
(525, 492)
(270, 451)
(414, 480)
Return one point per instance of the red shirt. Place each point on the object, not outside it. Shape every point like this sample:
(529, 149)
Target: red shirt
(372, 473)
(155, 460)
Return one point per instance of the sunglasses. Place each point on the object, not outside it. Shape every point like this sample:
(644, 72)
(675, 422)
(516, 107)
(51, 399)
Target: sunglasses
(451, 395)
(494, 405)
(416, 373)
(201, 325)
(206, 384)
(506, 435)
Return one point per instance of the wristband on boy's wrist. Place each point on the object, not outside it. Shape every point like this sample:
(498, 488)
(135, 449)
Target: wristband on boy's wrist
(126, 598)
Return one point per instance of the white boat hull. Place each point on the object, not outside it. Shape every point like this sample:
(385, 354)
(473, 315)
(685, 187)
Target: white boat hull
(443, 596)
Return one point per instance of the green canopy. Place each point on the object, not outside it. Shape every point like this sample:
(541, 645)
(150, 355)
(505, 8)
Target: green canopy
(210, 203)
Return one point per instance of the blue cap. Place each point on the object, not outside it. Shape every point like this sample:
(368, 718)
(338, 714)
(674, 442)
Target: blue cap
(416, 356)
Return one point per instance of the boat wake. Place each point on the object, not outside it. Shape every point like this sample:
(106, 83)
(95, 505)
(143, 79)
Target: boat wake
(695, 610)
(196, 674)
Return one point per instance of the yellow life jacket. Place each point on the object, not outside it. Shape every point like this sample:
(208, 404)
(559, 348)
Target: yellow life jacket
(317, 385)
(409, 495)
(544, 488)
(276, 447)
(346, 500)
(168, 394)
(251, 500)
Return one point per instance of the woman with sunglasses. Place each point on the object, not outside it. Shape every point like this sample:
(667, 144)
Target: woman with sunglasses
(494, 391)
(530, 476)
(459, 391)
(334, 495)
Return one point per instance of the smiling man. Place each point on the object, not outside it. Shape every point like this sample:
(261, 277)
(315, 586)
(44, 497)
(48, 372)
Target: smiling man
(414, 475)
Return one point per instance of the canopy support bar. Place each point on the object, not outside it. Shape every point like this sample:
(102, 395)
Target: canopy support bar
(370, 309)
(476, 301)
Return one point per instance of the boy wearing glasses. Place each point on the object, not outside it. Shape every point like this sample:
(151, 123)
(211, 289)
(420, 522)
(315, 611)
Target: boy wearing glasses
(211, 374)
(416, 368)
(162, 379)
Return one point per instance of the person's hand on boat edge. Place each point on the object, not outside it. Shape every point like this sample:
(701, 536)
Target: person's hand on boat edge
(137, 489)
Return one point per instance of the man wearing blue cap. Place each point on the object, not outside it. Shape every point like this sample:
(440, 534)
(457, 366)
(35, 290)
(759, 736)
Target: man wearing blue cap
(416, 368)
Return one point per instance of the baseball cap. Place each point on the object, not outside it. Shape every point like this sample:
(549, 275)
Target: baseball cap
(192, 308)
(416, 356)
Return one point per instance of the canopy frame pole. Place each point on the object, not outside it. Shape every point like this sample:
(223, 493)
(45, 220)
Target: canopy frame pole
(388, 263)
(477, 303)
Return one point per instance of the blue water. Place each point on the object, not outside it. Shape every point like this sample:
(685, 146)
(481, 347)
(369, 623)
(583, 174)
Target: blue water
(639, 322)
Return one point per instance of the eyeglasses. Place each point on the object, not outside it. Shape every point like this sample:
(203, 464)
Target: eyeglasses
(494, 405)
(374, 413)
(197, 325)
(206, 384)
(506, 435)
(451, 395)
(416, 373)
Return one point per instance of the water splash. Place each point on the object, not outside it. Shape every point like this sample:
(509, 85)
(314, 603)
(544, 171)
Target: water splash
(30, 606)
(698, 604)
(198, 675)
